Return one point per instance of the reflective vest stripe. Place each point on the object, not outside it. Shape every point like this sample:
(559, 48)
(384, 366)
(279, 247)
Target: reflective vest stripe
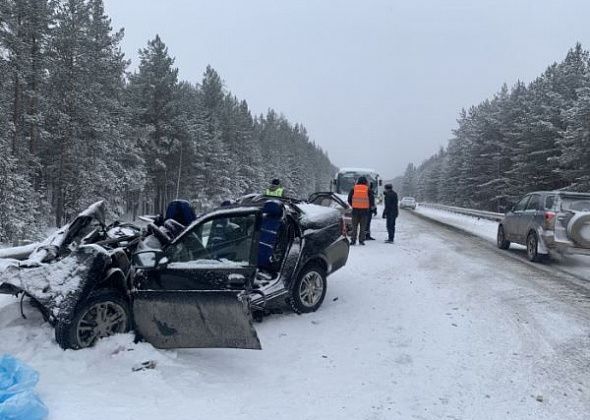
(360, 197)
(276, 193)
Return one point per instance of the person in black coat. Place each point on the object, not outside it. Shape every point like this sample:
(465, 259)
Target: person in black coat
(372, 212)
(390, 212)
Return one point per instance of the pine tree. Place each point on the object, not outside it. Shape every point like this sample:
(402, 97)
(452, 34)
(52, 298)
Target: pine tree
(152, 92)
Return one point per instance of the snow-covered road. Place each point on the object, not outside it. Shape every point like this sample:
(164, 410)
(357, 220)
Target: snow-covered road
(435, 326)
(576, 266)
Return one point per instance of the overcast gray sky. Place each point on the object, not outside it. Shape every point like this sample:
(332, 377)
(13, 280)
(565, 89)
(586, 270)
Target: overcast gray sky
(377, 83)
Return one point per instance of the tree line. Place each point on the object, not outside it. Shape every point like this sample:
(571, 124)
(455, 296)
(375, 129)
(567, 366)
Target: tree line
(76, 126)
(525, 138)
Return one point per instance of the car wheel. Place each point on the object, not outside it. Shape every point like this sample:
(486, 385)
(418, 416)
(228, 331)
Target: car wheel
(104, 313)
(501, 239)
(532, 246)
(309, 290)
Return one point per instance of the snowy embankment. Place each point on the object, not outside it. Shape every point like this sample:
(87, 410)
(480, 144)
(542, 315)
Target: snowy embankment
(576, 265)
(432, 327)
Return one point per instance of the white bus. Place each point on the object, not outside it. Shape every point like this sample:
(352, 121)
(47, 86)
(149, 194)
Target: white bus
(345, 179)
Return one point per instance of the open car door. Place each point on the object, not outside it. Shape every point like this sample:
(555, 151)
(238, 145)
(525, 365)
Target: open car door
(196, 295)
(328, 199)
(205, 318)
(332, 200)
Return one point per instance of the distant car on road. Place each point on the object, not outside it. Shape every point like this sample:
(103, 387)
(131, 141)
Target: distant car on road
(547, 222)
(408, 203)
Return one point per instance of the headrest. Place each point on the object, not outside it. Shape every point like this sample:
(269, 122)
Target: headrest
(273, 208)
(181, 211)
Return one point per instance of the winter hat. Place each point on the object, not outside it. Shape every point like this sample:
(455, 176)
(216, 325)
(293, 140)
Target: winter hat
(388, 187)
(362, 180)
(276, 181)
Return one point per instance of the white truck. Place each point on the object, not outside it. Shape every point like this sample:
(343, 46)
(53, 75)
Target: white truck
(345, 179)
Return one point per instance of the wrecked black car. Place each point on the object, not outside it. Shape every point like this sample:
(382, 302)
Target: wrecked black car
(194, 286)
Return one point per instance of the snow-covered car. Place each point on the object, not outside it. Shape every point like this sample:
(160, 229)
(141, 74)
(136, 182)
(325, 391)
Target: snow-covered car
(547, 222)
(407, 203)
(197, 287)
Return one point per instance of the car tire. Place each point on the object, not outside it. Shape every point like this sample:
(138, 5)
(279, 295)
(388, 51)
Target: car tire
(501, 239)
(309, 290)
(532, 247)
(80, 333)
(578, 230)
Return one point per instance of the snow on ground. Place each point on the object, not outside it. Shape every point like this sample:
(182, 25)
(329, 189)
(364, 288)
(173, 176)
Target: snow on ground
(480, 227)
(433, 327)
(577, 265)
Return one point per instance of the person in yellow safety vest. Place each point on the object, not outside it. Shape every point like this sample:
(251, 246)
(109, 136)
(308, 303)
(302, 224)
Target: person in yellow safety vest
(275, 189)
(362, 200)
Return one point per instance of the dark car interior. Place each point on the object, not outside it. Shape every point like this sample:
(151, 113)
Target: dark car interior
(221, 238)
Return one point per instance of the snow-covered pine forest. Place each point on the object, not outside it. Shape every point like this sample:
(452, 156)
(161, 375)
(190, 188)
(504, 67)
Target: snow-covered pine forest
(76, 126)
(525, 138)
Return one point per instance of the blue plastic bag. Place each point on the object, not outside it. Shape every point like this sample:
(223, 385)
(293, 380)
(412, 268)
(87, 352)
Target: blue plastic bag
(18, 400)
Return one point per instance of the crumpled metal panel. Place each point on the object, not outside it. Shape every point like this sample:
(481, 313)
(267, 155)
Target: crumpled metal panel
(60, 286)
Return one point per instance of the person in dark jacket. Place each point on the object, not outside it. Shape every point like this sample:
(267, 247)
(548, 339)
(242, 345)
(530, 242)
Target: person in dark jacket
(362, 200)
(372, 213)
(390, 212)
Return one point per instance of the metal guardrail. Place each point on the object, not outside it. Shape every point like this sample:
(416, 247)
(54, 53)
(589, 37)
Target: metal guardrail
(488, 215)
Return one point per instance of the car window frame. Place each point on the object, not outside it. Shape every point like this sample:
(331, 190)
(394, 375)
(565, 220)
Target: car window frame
(211, 218)
(555, 202)
(538, 206)
(516, 210)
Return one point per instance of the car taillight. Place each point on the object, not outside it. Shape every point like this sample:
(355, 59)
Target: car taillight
(550, 220)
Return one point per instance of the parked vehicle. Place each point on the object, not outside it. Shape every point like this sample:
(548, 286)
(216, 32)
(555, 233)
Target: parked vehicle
(407, 203)
(194, 287)
(547, 222)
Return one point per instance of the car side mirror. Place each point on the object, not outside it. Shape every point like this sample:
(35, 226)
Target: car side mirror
(146, 260)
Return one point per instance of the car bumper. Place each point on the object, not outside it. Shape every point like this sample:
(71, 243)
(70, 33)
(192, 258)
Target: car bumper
(563, 247)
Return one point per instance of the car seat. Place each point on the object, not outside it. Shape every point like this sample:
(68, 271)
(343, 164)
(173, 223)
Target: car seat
(272, 222)
(181, 211)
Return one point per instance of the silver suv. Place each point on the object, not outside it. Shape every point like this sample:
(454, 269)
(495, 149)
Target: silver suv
(547, 222)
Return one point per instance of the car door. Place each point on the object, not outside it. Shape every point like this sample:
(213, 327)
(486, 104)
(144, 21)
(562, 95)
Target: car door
(512, 220)
(195, 296)
(531, 212)
(329, 199)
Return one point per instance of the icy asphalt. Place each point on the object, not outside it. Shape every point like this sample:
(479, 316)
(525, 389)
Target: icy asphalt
(436, 326)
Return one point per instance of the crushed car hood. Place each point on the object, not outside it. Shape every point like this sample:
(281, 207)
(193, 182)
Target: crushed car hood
(59, 286)
(58, 243)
